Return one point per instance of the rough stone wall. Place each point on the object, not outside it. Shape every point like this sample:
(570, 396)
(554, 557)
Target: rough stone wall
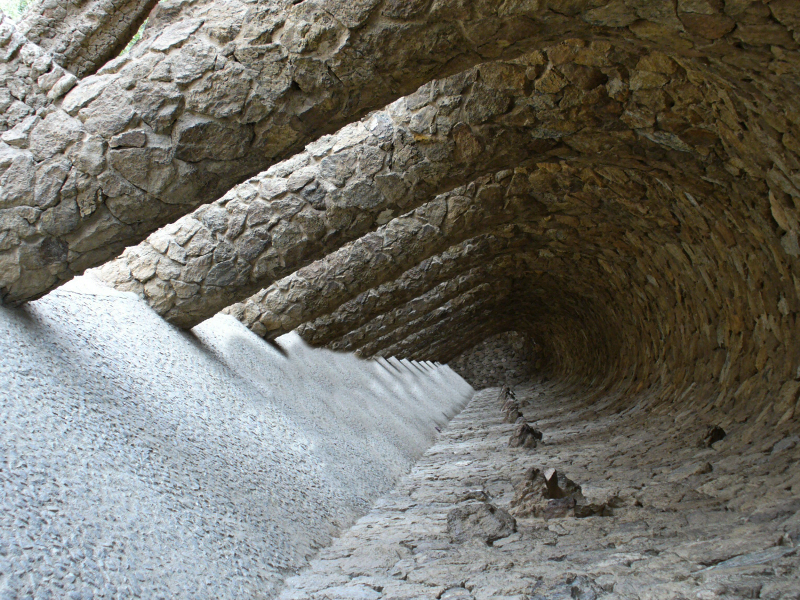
(141, 462)
(503, 359)
(639, 220)
(669, 522)
(83, 35)
(643, 168)
(499, 109)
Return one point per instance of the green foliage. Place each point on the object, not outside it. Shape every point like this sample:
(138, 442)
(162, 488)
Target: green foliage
(14, 8)
(136, 37)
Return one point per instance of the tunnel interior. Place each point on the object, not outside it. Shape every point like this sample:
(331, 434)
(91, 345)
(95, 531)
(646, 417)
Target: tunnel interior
(592, 202)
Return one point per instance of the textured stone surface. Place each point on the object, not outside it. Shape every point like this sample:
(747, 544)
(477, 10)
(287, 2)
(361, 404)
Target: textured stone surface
(610, 99)
(418, 281)
(504, 359)
(636, 231)
(81, 35)
(595, 306)
(479, 520)
(386, 253)
(301, 70)
(337, 190)
(674, 532)
(31, 81)
(616, 181)
(139, 462)
(476, 280)
(224, 90)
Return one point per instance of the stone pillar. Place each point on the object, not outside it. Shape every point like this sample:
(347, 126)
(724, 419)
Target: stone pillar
(383, 255)
(337, 190)
(358, 311)
(494, 292)
(83, 35)
(430, 300)
(221, 94)
(230, 90)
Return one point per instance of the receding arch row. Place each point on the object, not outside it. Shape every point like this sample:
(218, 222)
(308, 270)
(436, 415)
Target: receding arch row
(183, 95)
(570, 334)
(672, 171)
(677, 281)
(402, 157)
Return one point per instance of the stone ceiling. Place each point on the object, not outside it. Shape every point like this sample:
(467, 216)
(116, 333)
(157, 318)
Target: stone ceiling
(617, 179)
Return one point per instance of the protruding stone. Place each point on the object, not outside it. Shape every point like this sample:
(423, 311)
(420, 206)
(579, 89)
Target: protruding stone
(525, 436)
(129, 139)
(481, 520)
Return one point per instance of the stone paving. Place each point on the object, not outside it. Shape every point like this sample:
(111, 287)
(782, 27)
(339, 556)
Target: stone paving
(687, 521)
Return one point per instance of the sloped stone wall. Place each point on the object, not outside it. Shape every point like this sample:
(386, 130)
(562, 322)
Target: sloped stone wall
(505, 358)
(148, 463)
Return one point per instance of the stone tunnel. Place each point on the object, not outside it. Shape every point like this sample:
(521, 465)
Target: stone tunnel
(400, 299)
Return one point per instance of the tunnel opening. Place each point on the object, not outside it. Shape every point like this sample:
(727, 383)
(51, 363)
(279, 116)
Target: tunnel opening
(587, 210)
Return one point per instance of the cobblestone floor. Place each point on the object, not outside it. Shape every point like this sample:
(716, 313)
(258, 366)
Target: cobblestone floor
(691, 522)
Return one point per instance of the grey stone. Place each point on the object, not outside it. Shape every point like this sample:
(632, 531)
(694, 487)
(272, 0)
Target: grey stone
(176, 34)
(481, 520)
(53, 135)
(18, 136)
(130, 139)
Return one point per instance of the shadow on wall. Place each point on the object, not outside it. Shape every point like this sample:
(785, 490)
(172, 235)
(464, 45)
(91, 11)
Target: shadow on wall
(504, 359)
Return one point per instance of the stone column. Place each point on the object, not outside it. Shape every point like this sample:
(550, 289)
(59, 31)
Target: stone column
(432, 299)
(223, 93)
(484, 293)
(368, 305)
(385, 254)
(83, 35)
(426, 338)
(306, 207)
(230, 90)
(337, 190)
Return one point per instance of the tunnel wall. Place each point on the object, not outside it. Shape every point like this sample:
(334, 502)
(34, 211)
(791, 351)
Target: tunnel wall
(163, 463)
(660, 200)
(505, 358)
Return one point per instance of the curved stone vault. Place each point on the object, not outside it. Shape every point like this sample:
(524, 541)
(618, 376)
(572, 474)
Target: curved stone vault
(633, 164)
(617, 182)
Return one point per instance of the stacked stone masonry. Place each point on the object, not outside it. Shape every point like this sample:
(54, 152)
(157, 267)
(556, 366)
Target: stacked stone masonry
(300, 59)
(672, 530)
(504, 359)
(616, 182)
(218, 92)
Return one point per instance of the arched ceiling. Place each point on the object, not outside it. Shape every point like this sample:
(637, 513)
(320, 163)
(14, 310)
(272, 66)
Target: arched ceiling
(617, 179)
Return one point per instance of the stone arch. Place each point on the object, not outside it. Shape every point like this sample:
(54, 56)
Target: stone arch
(125, 191)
